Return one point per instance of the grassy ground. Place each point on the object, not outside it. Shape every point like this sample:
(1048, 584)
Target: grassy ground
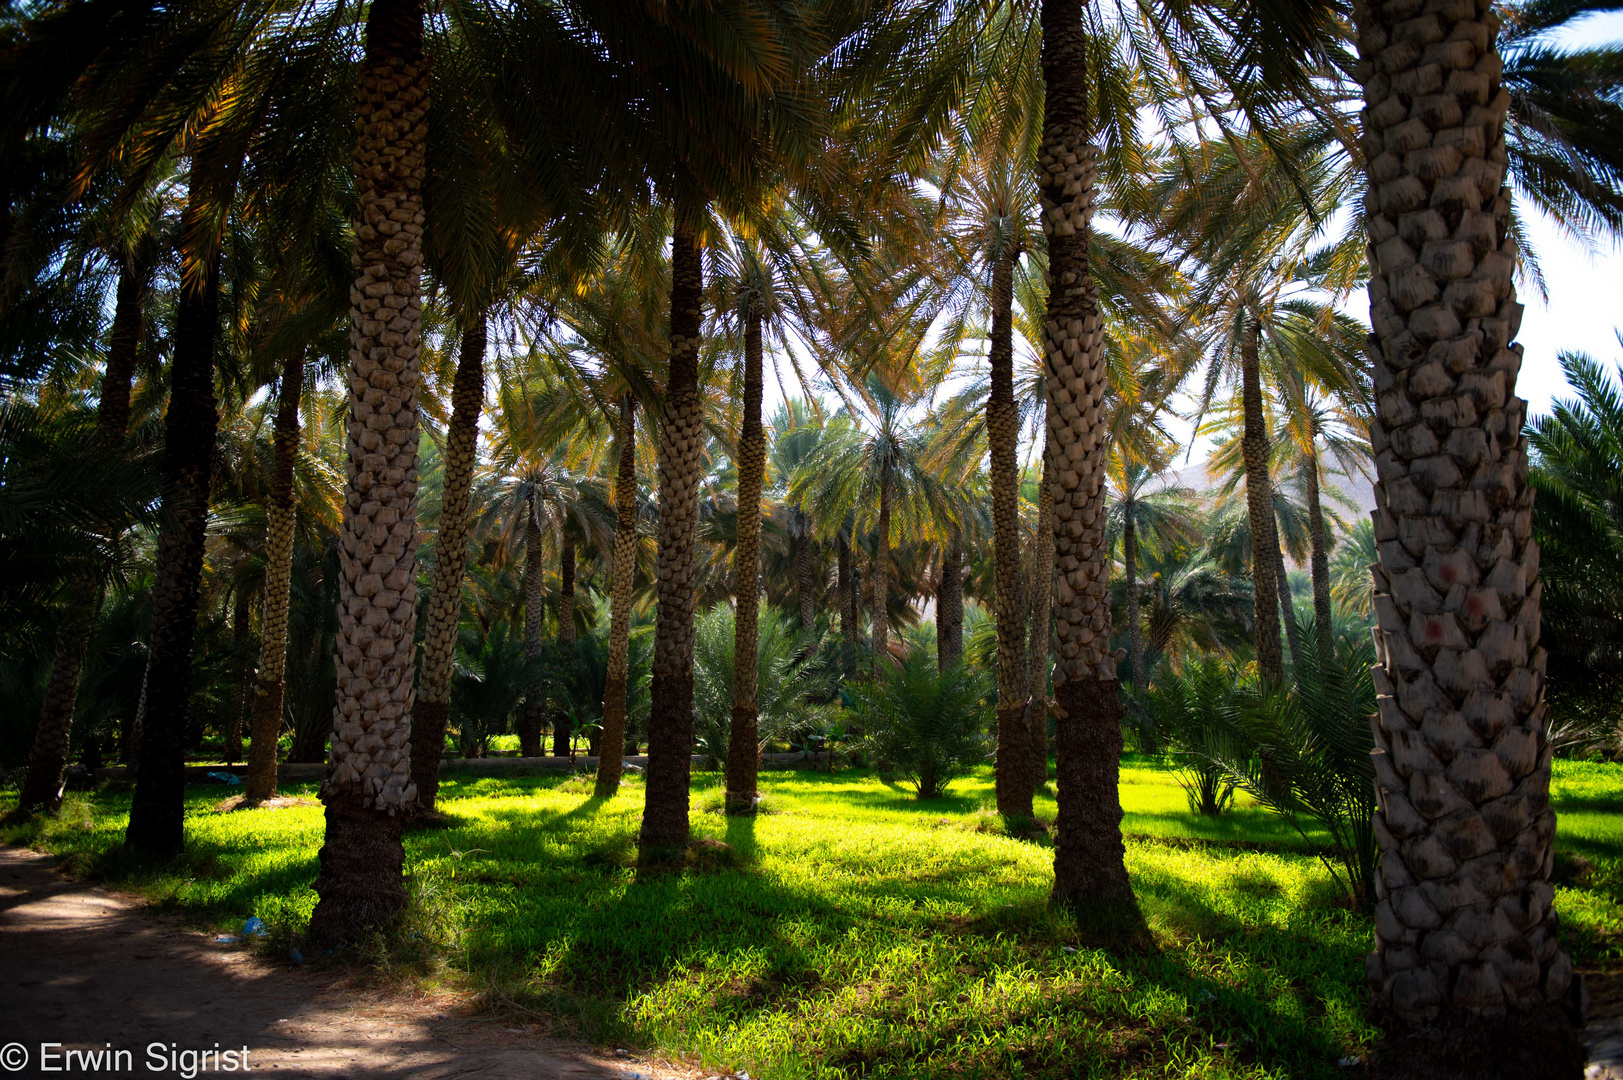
(855, 931)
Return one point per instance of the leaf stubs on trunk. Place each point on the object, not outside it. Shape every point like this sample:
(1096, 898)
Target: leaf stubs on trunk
(451, 558)
(1090, 876)
(681, 443)
(368, 785)
(611, 749)
(742, 737)
(1467, 977)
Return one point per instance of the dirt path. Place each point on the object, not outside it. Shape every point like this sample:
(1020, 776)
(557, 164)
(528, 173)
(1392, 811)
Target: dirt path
(86, 968)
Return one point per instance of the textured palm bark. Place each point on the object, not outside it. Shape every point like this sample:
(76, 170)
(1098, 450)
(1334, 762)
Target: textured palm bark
(949, 606)
(1287, 602)
(681, 443)
(561, 733)
(850, 601)
(612, 743)
(113, 412)
(368, 786)
(1468, 977)
(1090, 874)
(1015, 770)
(1135, 629)
(265, 725)
(1259, 501)
(433, 713)
(806, 589)
(156, 809)
(242, 645)
(535, 629)
(1039, 645)
(743, 737)
(1319, 559)
(42, 787)
(881, 578)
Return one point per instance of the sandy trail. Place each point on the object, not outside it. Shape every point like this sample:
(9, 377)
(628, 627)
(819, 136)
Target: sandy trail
(85, 968)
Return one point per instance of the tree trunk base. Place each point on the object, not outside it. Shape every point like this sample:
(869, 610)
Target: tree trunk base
(670, 749)
(264, 729)
(361, 882)
(42, 791)
(743, 760)
(611, 756)
(1090, 875)
(1015, 770)
(529, 735)
(1545, 1044)
(428, 722)
(560, 738)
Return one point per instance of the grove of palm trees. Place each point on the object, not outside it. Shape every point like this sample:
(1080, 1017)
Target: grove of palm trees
(796, 538)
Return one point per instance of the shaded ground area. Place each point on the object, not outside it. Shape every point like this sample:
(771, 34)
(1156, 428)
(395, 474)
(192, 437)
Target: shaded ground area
(86, 968)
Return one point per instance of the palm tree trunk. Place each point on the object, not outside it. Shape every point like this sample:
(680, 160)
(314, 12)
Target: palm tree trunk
(806, 589)
(433, 713)
(561, 731)
(850, 601)
(1287, 602)
(881, 578)
(1323, 615)
(611, 749)
(949, 606)
(1468, 976)
(1259, 499)
(242, 645)
(1039, 646)
(157, 807)
(681, 441)
(368, 788)
(743, 737)
(42, 789)
(535, 629)
(1135, 630)
(1090, 872)
(1014, 771)
(265, 725)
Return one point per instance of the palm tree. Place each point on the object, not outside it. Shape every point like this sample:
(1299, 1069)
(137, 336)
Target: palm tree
(886, 478)
(1143, 511)
(1461, 766)
(368, 789)
(611, 747)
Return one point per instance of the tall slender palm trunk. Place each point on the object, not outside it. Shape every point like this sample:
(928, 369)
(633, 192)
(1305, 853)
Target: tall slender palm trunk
(535, 629)
(881, 578)
(1135, 628)
(1468, 976)
(949, 606)
(611, 746)
(681, 441)
(433, 713)
(265, 723)
(561, 732)
(156, 810)
(806, 589)
(1039, 645)
(1318, 538)
(850, 601)
(1259, 501)
(1090, 874)
(368, 788)
(48, 760)
(1014, 771)
(243, 646)
(1287, 602)
(743, 737)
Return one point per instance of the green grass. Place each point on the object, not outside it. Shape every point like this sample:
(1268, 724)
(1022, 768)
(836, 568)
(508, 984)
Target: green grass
(855, 931)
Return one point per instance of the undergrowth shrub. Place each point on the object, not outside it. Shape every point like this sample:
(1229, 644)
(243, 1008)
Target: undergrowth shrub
(928, 725)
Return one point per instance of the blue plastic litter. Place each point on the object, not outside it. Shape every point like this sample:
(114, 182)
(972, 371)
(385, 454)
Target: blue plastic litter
(220, 777)
(298, 957)
(253, 927)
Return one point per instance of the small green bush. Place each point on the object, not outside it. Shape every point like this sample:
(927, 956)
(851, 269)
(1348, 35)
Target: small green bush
(1191, 711)
(929, 725)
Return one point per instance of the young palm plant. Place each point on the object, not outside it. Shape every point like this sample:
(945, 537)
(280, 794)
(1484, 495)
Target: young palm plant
(929, 725)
